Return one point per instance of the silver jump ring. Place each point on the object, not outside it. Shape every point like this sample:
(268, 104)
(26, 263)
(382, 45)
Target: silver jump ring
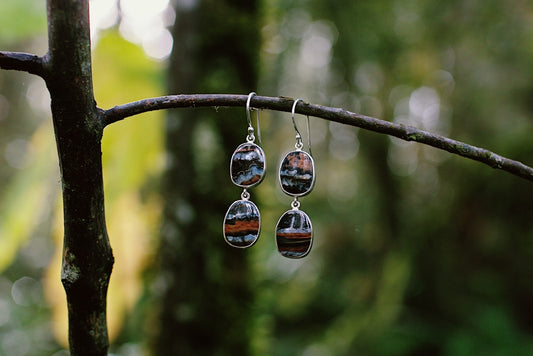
(250, 138)
(295, 204)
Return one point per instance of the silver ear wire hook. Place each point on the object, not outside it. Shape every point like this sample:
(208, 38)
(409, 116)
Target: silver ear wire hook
(251, 137)
(299, 144)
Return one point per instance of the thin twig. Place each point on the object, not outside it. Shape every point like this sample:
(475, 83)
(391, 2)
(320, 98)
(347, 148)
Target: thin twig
(404, 132)
(24, 62)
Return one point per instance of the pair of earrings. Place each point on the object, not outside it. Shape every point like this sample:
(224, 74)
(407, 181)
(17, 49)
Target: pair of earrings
(242, 223)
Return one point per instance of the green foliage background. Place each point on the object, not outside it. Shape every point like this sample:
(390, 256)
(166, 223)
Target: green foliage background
(416, 252)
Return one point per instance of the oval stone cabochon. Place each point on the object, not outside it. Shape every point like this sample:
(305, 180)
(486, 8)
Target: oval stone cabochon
(242, 224)
(294, 234)
(297, 173)
(247, 166)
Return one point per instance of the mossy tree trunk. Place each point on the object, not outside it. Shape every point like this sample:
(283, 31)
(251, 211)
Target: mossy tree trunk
(87, 255)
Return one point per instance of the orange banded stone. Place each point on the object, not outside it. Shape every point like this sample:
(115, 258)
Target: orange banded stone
(294, 234)
(242, 224)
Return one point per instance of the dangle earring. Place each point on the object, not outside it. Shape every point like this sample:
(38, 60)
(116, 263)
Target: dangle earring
(242, 222)
(294, 231)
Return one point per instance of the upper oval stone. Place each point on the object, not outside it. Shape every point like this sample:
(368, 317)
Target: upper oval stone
(297, 173)
(247, 166)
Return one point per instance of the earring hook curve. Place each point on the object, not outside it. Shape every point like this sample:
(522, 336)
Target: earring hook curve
(251, 136)
(299, 144)
(298, 135)
(248, 108)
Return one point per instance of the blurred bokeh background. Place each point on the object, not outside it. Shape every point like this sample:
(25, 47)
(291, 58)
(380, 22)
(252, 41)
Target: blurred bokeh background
(416, 251)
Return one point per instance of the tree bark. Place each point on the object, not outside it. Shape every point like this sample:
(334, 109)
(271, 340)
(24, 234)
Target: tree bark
(22, 61)
(87, 255)
(401, 131)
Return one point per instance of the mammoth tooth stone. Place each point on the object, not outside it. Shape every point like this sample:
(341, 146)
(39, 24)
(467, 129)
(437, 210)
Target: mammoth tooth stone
(294, 234)
(247, 166)
(242, 224)
(297, 173)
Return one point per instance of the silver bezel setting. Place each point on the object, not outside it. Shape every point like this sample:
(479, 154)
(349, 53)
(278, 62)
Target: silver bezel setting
(264, 165)
(312, 234)
(312, 181)
(224, 224)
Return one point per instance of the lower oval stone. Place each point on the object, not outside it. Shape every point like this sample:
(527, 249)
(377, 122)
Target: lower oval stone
(294, 234)
(242, 224)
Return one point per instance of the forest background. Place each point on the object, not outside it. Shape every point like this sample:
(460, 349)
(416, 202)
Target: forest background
(416, 251)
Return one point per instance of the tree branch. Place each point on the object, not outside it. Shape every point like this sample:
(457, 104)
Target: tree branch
(404, 132)
(23, 62)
